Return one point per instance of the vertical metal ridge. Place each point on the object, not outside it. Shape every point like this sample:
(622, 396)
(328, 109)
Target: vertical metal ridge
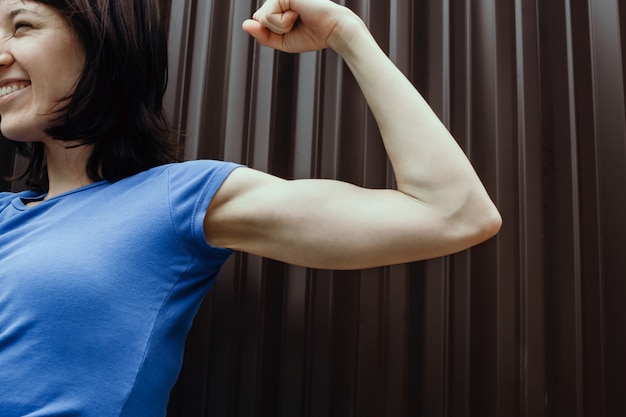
(531, 297)
(523, 161)
(609, 109)
(446, 117)
(576, 214)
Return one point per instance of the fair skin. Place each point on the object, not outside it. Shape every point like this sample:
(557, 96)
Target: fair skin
(40, 62)
(440, 206)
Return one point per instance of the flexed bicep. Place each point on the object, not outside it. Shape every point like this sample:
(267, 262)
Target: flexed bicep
(327, 224)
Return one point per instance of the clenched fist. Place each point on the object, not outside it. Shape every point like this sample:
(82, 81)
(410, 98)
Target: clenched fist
(303, 25)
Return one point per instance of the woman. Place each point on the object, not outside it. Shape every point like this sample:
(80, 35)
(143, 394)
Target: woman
(104, 263)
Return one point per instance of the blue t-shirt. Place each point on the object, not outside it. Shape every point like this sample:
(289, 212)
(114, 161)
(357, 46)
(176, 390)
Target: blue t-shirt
(98, 289)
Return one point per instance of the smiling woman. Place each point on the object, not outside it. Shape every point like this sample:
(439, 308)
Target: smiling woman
(105, 260)
(42, 60)
(85, 107)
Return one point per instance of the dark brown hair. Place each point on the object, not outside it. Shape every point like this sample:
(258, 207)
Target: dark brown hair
(117, 105)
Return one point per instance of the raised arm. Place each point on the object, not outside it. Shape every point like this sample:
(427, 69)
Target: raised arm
(440, 206)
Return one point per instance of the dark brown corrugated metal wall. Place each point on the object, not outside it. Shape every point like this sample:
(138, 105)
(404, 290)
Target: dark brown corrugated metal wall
(532, 323)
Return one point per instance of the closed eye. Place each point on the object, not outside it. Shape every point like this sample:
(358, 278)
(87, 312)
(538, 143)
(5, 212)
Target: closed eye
(22, 26)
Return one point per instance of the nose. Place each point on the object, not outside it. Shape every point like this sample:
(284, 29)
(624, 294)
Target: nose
(6, 57)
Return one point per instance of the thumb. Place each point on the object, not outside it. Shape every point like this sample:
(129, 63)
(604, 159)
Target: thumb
(261, 33)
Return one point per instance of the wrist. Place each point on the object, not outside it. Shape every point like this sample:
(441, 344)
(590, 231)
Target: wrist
(348, 33)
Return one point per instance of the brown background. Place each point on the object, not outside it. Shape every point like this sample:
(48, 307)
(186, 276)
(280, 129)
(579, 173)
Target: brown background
(532, 323)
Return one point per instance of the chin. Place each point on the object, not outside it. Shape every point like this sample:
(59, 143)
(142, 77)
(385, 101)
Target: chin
(18, 133)
(11, 138)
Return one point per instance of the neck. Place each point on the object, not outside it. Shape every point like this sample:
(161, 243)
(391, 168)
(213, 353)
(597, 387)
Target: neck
(67, 168)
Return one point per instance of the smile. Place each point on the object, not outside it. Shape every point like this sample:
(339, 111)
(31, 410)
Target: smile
(12, 88)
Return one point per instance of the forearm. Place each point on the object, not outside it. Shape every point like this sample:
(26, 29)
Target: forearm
(428, 163)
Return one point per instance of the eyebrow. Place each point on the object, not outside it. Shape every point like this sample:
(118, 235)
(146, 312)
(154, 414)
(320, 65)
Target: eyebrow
(16, 12)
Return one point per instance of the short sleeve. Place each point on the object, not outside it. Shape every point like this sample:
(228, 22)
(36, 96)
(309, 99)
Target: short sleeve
(192, 186)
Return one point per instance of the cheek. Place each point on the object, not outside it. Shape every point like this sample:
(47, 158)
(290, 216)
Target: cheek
(75, 63)
(49, 93)
(62, 72)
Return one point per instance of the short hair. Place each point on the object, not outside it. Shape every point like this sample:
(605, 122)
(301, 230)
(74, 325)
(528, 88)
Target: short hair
(117, 105)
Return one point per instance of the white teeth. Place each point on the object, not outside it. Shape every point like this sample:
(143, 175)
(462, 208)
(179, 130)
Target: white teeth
(11, 89)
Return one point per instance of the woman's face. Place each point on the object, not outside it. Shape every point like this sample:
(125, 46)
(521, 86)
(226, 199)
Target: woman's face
(41, 60)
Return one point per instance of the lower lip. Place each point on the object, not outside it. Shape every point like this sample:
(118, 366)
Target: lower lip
(11, 96)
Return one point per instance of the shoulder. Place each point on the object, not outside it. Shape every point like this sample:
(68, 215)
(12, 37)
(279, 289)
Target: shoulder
(7, 197)
(201, 167)
(198, 176)
(178, 175)
(188, 169)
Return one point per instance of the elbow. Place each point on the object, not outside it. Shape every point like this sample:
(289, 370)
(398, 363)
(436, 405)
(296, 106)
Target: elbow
(477, 221)
(483, 224)
(490, 224)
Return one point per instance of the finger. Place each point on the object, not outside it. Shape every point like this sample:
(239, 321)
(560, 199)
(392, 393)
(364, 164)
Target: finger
(262, 34)
(278, 22)
(282, 22)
